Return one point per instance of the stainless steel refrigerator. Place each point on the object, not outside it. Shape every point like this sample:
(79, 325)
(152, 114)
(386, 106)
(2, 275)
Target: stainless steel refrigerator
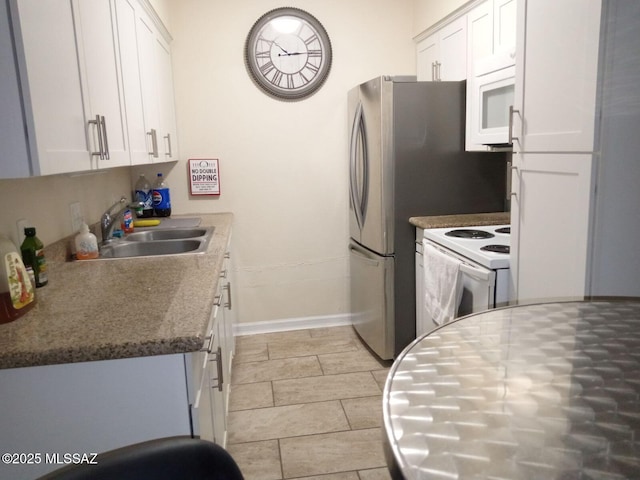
(407, 158)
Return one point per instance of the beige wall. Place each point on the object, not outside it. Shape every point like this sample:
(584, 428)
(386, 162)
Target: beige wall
(283, 166)
(44, 201)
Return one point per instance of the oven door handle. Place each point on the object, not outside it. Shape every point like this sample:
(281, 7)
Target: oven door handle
(484, 275)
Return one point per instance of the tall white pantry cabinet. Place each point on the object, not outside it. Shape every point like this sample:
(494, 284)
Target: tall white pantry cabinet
(574, 206)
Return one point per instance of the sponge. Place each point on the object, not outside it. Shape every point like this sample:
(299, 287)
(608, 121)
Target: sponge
(146, 223)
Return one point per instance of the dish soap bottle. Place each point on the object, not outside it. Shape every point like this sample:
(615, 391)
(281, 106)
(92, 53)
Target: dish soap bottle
(17, 295)
(86, 244)
(33, 256)
(161, 198)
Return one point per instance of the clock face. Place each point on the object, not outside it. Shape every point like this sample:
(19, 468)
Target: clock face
(288, 53)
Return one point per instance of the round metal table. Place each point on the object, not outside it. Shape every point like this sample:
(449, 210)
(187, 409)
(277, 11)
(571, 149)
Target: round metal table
(544, 391)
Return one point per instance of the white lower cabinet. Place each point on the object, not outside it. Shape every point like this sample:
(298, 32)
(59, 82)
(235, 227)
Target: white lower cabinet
(89, 407)
(211, 367)
(550, 225)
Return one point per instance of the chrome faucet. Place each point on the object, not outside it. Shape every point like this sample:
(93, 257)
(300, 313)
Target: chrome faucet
(108, 220)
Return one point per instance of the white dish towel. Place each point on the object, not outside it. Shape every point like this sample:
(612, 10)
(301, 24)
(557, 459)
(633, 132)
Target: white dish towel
(442, 285)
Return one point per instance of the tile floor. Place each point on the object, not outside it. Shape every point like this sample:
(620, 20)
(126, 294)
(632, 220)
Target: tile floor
(307, 403)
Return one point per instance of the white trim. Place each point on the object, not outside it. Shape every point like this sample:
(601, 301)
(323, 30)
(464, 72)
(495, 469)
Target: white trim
(459, 12)
(287, 324)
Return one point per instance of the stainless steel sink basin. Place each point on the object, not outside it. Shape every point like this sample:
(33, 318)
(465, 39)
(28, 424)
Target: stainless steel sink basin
(168, 234)
(173, 241)
(145, 249)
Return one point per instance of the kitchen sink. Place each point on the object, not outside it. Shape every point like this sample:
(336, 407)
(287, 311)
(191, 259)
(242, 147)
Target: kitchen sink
(168, 234)
(173, 241)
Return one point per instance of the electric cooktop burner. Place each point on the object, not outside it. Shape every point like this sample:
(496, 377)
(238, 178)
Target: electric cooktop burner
(503, 230)
(469, 233)
(496, 248)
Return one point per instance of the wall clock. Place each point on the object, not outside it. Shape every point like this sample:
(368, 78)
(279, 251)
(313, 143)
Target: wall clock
(288, 53)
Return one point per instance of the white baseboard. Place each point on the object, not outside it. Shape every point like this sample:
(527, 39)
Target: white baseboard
(287, 324)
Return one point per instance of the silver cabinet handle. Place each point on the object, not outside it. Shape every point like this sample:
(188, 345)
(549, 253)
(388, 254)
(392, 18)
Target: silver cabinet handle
(217, 357)
(168, 138)
(154, 143)
(438, 65)
(511, 112)
(217, 300)
(227, 287)
(104, 138)
(208, 341)
(97, 122)
(223, 274)
(433, 71)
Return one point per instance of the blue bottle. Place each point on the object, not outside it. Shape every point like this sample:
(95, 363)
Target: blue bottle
(161, 198)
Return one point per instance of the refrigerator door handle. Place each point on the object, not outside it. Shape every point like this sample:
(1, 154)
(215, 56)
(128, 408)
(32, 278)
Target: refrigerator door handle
(372, 262)
(358, 190)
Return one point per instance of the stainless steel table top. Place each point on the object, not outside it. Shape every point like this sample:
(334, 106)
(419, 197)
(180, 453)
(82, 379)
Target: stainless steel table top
(547, 391)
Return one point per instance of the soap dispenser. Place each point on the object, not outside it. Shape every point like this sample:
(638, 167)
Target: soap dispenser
(86, 244)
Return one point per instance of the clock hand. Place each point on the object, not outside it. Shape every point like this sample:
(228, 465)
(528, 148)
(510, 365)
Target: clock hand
(290, 54)
(276, 44)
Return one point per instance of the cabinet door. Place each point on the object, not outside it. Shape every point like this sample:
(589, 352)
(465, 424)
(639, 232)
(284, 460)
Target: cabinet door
(557, 57)
(50, 82)
(428, 52)
(479, 34)
(90, 407)
(229, 318)
(149, 85)
(169, 140)
(14, 161)
(156, 78)
(550, 225)
(99, 61)
(218, 385)
(504, 26)
(127, 18)
(453, 51)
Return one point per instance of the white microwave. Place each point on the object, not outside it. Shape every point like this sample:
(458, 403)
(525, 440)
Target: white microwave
(492, 95)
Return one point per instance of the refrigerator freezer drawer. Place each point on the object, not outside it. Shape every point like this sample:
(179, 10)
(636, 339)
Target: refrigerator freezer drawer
(372, 299)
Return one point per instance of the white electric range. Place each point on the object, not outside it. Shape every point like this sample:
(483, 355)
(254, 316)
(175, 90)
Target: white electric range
(482, 253)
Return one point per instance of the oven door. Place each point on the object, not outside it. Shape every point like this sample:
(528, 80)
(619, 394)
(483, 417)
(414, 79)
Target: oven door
(478, 290)
(492, 95)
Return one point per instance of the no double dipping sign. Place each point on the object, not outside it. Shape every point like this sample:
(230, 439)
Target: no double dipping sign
(204, 176)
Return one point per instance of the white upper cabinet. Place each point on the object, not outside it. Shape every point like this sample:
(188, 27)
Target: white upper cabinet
(491, 36)
(127, 12)
(14, 161)
(442, 56)
(556, 75)
(97, 44)
(49, 76)
(76, 75)
(491, 47)
(156, 79)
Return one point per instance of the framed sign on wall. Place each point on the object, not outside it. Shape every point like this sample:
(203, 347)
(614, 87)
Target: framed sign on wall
(204, 176)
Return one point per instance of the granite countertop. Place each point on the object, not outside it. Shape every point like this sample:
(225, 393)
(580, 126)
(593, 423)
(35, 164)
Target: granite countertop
(119, 308)
(465, 220)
